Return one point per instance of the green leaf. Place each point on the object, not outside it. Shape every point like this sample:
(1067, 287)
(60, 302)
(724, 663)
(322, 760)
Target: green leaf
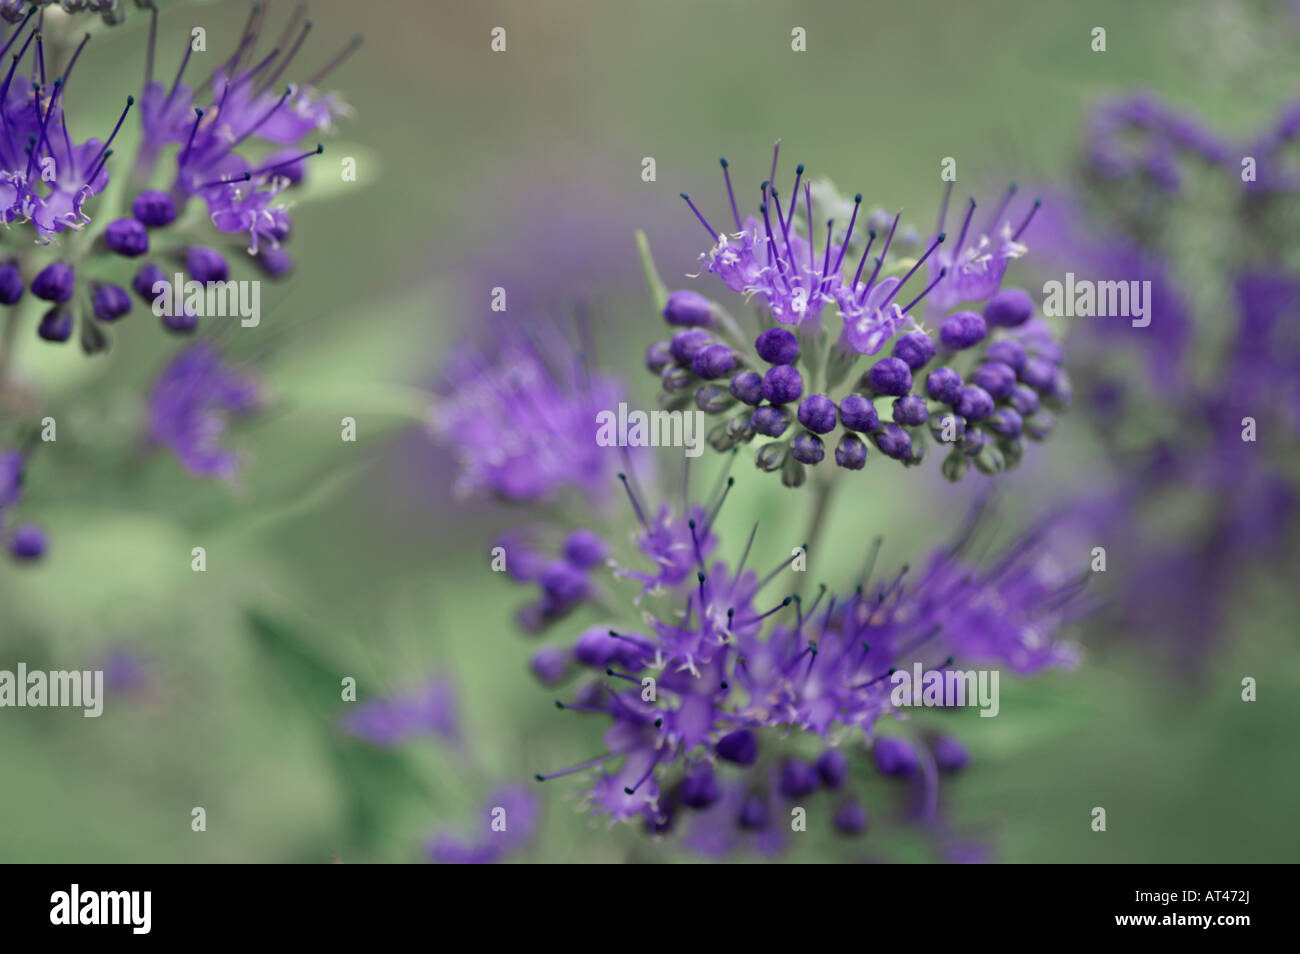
(658, 290)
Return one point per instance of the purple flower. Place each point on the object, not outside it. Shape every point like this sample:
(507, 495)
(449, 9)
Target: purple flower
(190, 403)
(507, 824)
(430, 710)
(524, 427)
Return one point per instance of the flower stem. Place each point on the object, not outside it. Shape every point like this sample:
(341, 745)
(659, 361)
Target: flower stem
(823, 488)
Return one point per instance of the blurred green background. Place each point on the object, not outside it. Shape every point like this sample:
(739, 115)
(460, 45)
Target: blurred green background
(522, 169)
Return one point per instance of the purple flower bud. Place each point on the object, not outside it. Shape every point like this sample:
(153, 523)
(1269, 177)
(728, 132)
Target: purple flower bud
(910, 411)
(549, 665)
(145, 279)
(740, 747)
(973, 441)
(274, 262)
(817, 413)
(1009, 308)
(11, 283)
(154, 208)
(1060, 390)
(975, 403)
(658, 357)
(797, 779)
(1008, 351)
(996, 378)
(895, 757)
(944, 384)
(915, 349)
(55, 282)
(182, 323)
(688, 309)
(753, 814)
(947, 427)
(1039, 425)
(949, 754)
(833, 768)
(1039, 373)
(585, 548)
(206, 265)
(1006, 422)
(713, 361)
(850, 818)
(782, 384)
(851, 453)
(807, 449)
(700, 787)
(27, 543)
(109, 302)
(56, 325)
(770, 421)
(962, 330)
(859, 414)
(777, 346)
(686, 344)
(890, 376)
(126, 237)
(893, 441)
(1024, 399)
(747, 387)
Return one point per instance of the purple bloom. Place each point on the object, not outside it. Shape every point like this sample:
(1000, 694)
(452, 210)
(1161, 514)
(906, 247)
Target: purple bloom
(524, 427)
(190, 403)
(392, 721)
(507, 825)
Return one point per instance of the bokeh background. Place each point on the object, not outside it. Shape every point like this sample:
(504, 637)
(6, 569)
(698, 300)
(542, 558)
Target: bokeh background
(522, 169)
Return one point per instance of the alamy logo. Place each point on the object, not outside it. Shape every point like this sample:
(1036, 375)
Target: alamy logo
(946, 687)
(1084, 298)
(241, 300)
(102, 907)
(653, 429)
(58, 688)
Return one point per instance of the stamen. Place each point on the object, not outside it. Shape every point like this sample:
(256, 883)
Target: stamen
(714, 236)
(965, 225)
(198, 118)
(1028, 218)
(73, 62)
(883, 254)
(130, 101)
(635, 505)
(794, 195)
(18, 32)
(775, 609)
(776, 151)
(912, 271)
(699, 557)
(943, 273)
(591, 763)
(1002, 207)
(333, 64)
(279, 70)
(871, 238)
(782, 565)
(812, 241)
(713, 514)
(943, 208)
(735, 213)
(871, 682)
(288, 162)
(857, 204)
(642, 779)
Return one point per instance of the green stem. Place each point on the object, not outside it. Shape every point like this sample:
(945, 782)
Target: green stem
(823, 487)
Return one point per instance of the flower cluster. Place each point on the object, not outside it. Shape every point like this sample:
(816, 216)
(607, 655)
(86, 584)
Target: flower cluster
(980, 379)
(520, 418)
(237, 148)
(725, 700)
(1219, 436)
(190, 404)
